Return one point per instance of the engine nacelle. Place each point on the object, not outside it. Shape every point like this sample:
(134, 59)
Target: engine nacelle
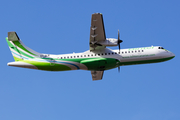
(109, 42)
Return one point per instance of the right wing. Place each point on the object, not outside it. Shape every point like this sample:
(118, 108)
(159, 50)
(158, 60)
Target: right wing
(97, 31)
(97, 75)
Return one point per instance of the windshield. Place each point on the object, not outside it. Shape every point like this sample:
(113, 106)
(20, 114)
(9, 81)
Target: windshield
(160, 48)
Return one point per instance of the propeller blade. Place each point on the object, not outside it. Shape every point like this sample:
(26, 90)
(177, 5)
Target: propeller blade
(119, 41)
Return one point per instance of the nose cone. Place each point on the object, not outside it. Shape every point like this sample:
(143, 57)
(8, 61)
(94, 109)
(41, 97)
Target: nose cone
(172, 54)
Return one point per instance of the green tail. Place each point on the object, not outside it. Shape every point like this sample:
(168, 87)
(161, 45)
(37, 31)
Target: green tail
(18, 49)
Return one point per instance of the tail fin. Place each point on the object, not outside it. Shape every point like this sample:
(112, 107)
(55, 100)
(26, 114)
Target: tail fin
(18, 49)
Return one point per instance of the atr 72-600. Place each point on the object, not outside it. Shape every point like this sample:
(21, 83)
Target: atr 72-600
(97, 59)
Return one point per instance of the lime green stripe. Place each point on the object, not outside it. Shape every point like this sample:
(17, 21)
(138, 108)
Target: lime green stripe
(17, 59)
(48, 66)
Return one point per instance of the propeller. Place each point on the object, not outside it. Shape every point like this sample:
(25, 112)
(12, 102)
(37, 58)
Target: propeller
(119, 40)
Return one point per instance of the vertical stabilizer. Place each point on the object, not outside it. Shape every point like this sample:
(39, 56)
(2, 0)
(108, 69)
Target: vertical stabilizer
(18, 49)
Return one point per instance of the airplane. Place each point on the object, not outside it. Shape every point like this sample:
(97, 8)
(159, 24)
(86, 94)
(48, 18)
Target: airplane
(97, 59)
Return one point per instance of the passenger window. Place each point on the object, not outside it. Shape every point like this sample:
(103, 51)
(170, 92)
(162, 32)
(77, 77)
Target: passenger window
(74, 56)
(84, 55)
(68, 57)
(109, 53)
(91, 54)
(132, 51)
(122, 52)
(64, 57)
(135, 51)
(142, 50)
(88, 55)
(112, 53)
(115, 52)
(71, 56)
(128, 51)
(99, 54)
(138, 50)
(105, 53)
(77, 56)
(102, 54)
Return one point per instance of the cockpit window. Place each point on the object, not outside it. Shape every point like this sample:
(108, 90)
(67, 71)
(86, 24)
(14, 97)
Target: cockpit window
(160, 48)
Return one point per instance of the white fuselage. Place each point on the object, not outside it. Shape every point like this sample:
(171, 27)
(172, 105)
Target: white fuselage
(125, 55)
(130, 56)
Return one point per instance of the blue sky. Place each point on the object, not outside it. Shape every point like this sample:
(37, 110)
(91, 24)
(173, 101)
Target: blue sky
(139, 92)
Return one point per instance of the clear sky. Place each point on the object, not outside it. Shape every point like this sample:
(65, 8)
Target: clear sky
(139, 92)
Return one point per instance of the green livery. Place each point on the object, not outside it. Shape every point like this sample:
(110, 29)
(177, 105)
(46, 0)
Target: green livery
(97, 59)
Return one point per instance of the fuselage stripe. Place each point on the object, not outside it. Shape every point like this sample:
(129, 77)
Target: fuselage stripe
(20, 56)
(23, 51)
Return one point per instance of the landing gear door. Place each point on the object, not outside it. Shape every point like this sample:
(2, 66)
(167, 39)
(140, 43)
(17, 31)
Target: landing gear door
(102, 64)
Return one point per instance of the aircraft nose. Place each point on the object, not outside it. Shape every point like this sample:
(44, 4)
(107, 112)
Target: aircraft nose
(172, 54)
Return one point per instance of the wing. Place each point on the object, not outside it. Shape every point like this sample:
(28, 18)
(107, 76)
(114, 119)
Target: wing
(97, 75)
(97, 31)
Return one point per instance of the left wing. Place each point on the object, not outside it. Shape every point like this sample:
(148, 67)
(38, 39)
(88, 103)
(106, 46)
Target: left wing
(97, 31)
(97, 75)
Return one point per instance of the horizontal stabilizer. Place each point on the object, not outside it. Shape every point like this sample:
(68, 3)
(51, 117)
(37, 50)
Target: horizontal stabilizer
(12, 36)
(22, 64)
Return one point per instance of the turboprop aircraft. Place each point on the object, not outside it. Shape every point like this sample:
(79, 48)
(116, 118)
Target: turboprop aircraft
(97, 59)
